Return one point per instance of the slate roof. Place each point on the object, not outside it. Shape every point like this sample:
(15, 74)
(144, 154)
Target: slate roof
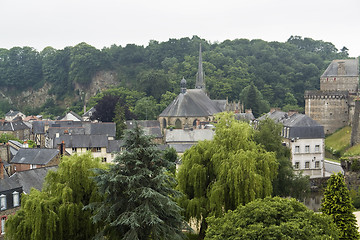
(82, 141)
(38, 127)
(33, 178)
(103, 128)
(13, 126)
(188, 136)
(351, 68)
(38, 156)
(192, 103)
(114, 146)
(150, 127)
(302, 126)
(12, 113)
(8, 183)
(182, 147)
(71, 113)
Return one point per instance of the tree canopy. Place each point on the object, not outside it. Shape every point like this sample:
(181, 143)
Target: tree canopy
(272, 218)
(138, 195)
(281, 71)
(337, 204)
(219, 175)
(57, 212)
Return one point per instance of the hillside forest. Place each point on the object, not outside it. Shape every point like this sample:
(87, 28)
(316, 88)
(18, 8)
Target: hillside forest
(275, 74)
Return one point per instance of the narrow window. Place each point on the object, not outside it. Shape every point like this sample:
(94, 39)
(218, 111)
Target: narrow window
(297, 164)
(317, 164)
(307, 148)
(98, 149)
(297, 149)
(73, 149)
(317, 148)
(307, 165)
(16, 199)
(3, 201)
(3, 219)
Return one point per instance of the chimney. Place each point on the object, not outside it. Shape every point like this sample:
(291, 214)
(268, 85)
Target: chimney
(248, 110)
(61, 148)
(1, 169)
(292, 112)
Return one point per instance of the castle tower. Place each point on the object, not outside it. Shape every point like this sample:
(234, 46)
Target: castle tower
(200, 76)
(333, 105)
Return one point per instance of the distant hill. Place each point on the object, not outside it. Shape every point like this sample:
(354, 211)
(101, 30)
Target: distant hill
(54, 80)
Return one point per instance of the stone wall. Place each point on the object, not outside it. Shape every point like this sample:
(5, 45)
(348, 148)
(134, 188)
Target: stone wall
(328, 108)
(355, 135)
(339, 83)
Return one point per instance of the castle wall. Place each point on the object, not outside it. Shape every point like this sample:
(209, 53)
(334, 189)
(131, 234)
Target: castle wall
(339, 83)
(355, 134)
(330, 109)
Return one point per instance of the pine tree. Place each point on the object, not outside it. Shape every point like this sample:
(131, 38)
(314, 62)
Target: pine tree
(138, 202)
(337, 204)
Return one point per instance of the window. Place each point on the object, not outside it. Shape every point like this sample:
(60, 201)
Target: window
(317, 164)
(297, 149)
(317, 148)
(98, 149)
(307, 148)
(103, 159)
(297, 164)
(307, 164)
(3, 201)
(16, 199)
(32, 166)
(73, 149)
(3, 219)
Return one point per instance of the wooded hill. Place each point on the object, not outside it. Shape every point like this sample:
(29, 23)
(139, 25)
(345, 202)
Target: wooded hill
(280, 71)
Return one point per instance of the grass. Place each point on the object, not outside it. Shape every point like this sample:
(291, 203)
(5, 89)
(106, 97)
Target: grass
(338, 142)
(353, 151)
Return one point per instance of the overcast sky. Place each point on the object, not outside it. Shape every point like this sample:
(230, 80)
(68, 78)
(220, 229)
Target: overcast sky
(101, 23)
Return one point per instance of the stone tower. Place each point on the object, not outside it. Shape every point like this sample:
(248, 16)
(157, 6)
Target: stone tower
(333, 105)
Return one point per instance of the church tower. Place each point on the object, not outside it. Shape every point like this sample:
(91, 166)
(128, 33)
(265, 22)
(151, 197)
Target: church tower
(200, 76)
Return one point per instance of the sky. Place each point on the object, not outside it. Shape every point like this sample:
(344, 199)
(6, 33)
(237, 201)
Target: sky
(102, 23)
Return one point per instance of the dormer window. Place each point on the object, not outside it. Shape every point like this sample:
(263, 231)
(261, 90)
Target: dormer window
(16, 199)
(3, 201)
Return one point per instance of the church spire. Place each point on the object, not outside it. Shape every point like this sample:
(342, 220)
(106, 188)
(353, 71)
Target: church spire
(200, 76)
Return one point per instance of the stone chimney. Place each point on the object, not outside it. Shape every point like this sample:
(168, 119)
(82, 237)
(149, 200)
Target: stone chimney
(341, 68)
(1, 169)
(61, 148)
(292, 112)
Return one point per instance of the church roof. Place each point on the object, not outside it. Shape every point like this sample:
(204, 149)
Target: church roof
(192, 103)
(351, 68)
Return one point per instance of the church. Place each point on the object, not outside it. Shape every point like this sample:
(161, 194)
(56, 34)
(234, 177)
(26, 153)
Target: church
(192, 108)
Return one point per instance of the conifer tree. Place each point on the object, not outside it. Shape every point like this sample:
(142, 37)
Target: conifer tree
(138, 200)
(57, 211)
(337, 204)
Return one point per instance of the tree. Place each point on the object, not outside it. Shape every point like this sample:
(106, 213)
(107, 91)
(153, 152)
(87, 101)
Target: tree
(337, 204)
(219, 175)
(252, 99)
(119, 119)
(137, 194)
(287, 182)
(146, 109)
(272, 218)
(57, 211)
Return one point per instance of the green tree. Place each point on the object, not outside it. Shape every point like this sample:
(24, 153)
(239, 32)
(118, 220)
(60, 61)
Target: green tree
(219, 175)
(138, 195)
(57, 211)
(252, 99)
(146, 109)
(337, 204)
(272, 218)
(119, 119)
(287, 182)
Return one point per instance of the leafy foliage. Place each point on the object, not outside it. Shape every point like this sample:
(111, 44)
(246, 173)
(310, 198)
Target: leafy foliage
(57, 211)
(137, 194)
(272, 218)
(286, 183)
(219, 175)
(337, 204)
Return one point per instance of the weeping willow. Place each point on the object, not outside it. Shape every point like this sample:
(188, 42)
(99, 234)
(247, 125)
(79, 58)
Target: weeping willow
(221, 174)
(57, 211)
